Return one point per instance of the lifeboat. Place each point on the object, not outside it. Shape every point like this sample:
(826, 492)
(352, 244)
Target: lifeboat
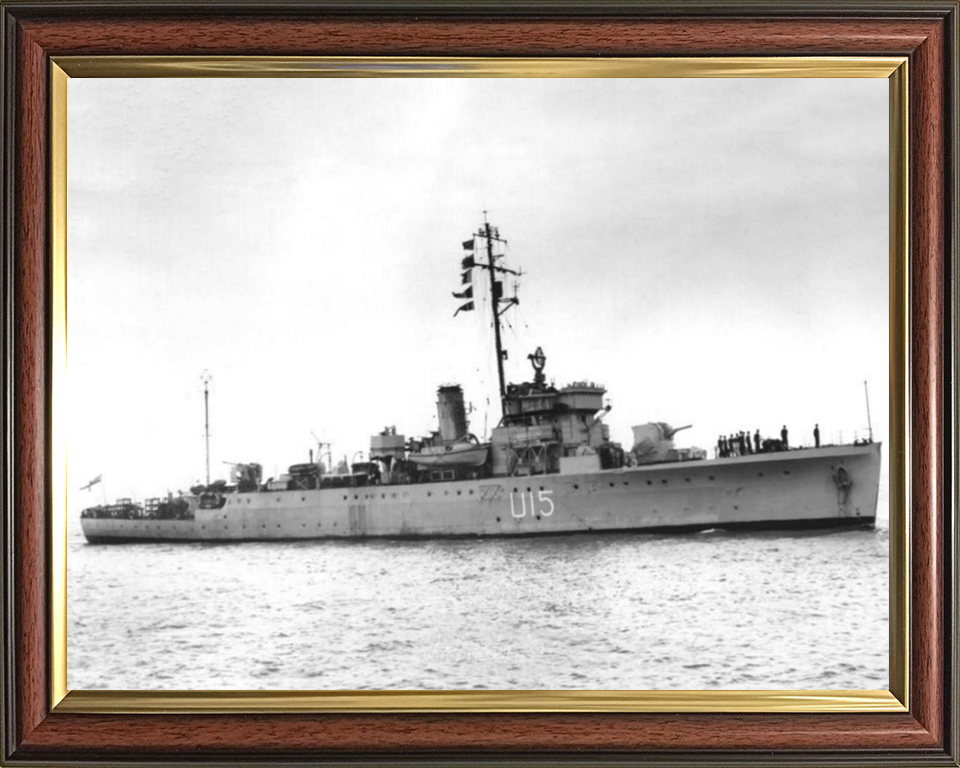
(465, 452)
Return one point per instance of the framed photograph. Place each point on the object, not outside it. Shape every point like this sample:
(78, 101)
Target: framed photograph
(568, 383)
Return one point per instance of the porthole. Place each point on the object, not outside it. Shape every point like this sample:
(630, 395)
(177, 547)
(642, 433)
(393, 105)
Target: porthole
(649, 482)
(498, 519)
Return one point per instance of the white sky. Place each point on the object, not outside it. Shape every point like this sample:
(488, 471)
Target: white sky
(713, 251)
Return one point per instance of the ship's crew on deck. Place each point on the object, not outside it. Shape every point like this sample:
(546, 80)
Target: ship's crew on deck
(783, 438)
(756, 441)
(816, 435)
(746, 441)
(740, 445)
(721, 448)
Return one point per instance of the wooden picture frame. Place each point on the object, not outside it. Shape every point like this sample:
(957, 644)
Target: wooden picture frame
(39, 729)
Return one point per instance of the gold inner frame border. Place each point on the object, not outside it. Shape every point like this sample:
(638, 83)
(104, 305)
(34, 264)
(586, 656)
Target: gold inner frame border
(894, 69)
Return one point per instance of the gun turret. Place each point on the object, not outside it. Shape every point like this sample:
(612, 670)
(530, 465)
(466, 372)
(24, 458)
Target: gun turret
(653, 442)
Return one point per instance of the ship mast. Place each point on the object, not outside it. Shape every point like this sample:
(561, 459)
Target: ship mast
(494, 304)
(491, 235)
(205, 378)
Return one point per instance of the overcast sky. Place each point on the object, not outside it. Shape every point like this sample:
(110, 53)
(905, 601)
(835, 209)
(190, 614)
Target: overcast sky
(713, 251)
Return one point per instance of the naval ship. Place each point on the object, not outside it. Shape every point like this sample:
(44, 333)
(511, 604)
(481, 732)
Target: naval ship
(549, 467)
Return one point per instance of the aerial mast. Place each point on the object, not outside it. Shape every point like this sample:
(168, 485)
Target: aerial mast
(205, 378)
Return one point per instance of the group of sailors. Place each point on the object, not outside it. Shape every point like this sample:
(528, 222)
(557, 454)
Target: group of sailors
(743, 444)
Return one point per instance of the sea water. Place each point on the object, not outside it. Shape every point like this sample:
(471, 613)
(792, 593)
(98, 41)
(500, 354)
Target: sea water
(713, 610)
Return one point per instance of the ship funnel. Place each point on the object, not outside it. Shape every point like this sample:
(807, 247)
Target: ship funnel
(452, 414)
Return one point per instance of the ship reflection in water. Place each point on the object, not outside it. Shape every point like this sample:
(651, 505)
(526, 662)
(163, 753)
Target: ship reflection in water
(619, 611)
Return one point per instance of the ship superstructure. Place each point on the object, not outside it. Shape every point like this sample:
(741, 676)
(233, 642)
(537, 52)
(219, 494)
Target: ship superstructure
(549, 467)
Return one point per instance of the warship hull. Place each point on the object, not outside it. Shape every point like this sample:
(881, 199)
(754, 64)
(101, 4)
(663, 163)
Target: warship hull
(833, 486)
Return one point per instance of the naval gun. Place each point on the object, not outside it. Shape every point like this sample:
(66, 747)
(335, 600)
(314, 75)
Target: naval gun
(653, 442)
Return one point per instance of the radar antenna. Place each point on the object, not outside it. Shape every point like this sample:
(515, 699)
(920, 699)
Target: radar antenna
(538, 360)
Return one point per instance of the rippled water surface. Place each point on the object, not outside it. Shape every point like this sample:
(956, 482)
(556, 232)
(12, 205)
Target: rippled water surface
(592, 611)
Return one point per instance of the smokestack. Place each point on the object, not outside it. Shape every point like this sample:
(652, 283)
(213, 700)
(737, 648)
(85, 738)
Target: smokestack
(452, 414)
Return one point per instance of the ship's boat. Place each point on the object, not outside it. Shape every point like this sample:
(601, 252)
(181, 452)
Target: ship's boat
(549, 467)
(467, 452)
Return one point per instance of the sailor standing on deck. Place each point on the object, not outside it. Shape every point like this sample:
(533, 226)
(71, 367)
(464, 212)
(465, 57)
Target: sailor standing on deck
(816, 435)
(783, 438)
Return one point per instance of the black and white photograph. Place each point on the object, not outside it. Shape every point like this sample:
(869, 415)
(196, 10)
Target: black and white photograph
(442, 383)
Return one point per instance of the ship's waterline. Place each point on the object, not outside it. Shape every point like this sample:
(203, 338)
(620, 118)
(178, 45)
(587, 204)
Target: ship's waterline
(830, 486)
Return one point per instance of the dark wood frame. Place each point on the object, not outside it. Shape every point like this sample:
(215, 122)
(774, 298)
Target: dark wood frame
(926, 32)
